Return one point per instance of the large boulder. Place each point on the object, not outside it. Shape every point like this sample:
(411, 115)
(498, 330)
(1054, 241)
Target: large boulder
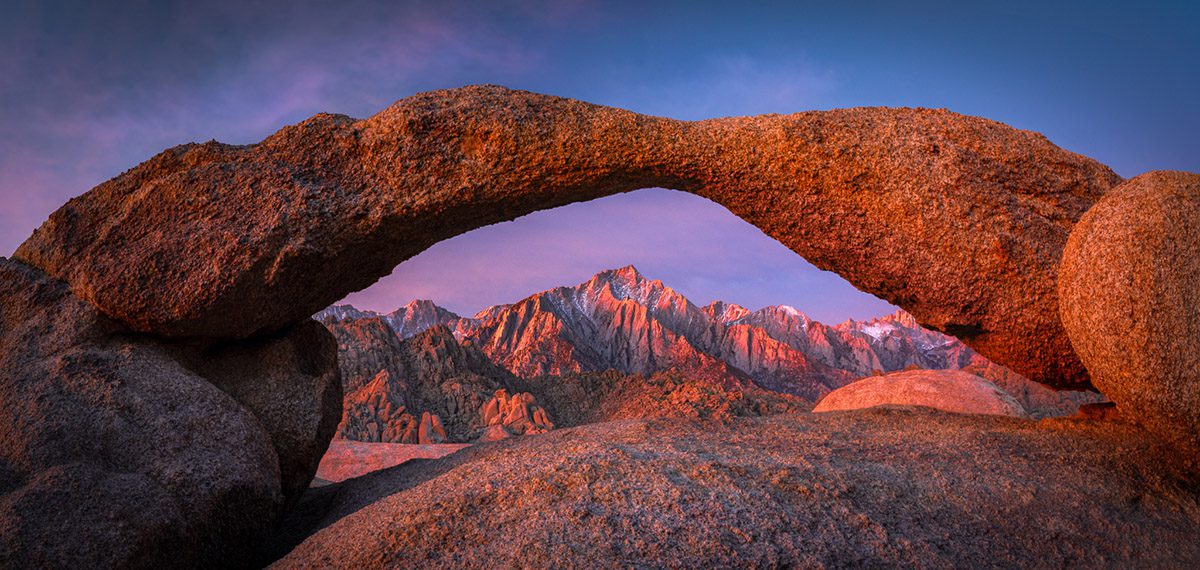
(431, 431)
(959, 220)
(113, 453)
(1128, 289)
(291, 383)
(868, 489)
(116, 451)
(947, 390)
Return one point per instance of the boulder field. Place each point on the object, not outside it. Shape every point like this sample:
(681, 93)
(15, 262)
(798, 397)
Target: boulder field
(165, 397)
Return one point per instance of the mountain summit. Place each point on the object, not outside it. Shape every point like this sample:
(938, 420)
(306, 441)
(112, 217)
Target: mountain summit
(620, 320)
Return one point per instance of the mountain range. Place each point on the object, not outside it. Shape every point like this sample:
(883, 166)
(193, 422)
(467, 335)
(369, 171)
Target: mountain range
(618, 325)
(620, 320)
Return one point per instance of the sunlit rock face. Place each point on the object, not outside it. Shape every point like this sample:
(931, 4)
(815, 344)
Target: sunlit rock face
(947, 390)
(959, 220)
(1128, 286)
(517, 414)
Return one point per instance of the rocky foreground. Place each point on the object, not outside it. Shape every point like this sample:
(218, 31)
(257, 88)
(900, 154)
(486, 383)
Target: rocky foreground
(165, 398)
(885, 487)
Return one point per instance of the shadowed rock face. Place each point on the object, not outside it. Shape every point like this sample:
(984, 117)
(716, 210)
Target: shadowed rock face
(959, 220)
(120, 450)
(1129, 283)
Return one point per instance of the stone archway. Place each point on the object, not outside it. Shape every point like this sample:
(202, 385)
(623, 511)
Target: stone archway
(959, 220)
(158, 367)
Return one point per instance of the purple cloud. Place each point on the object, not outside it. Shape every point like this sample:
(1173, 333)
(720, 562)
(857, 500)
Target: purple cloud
(91, 89)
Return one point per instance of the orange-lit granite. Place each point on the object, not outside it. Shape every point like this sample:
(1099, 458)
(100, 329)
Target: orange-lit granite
(879, 488)
(1129, 284)
(349, 459)
(947, 390)
(165, 395)
(957, 219)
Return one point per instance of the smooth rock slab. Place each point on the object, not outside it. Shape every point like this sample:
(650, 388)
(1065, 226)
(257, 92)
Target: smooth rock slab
(947, 390)
(959, 220)
(1130, 299)
(350, 459)
(877, 488)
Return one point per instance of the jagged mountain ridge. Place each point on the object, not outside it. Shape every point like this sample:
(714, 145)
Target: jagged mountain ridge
(389, 383)
(620, 320)
(407, 321)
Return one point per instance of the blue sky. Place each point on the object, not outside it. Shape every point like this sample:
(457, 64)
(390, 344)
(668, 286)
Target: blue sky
(92, 88)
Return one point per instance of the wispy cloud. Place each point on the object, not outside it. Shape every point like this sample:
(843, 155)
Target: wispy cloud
(80, 107)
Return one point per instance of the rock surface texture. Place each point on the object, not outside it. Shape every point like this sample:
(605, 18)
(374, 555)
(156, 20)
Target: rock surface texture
(1128, 288)
(947, 390)
(350, 459)
(874, 489)
(518, 414)
(118, 450)
(428, 372)
(957, 219)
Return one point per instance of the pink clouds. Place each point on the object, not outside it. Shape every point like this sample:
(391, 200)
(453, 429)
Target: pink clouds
(87, 114)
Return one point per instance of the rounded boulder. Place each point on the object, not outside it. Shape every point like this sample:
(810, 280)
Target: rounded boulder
(1127, 298)
(947, 390)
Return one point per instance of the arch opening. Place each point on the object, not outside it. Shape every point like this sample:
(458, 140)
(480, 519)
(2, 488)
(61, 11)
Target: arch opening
(616, 308)
(958, 220)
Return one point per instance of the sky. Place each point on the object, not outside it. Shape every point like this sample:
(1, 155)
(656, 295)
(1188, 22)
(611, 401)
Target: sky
(89, 89)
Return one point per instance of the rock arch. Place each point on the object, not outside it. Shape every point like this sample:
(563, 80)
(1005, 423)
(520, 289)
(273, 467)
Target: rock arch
(959, 220)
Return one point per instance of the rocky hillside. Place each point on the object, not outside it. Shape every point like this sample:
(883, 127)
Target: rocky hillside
(430, 372)
(622, 321)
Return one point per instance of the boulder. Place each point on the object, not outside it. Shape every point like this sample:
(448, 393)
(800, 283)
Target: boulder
(947, 390)
(1128, 285)
(411, 433)
(878, 488)
(518, 414)
(290, 382)
(494, 432)
(431, 431)
(115, 454)
(959, 220)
